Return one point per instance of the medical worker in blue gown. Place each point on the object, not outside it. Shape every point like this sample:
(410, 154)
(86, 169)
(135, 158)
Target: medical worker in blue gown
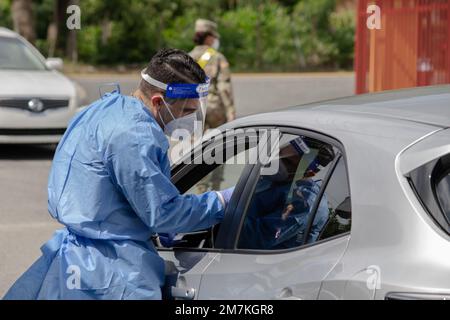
(110, 187)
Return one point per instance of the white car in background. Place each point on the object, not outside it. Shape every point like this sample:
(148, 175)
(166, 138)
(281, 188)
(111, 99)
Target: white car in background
(36, 101)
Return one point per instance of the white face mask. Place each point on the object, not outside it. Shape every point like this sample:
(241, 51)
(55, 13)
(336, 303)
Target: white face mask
(216, 44)
(189, 123)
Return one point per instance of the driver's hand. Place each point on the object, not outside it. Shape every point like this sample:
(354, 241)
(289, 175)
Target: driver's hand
(287, 212)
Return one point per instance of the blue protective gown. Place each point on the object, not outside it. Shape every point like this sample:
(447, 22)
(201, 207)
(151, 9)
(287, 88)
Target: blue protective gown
(110, 187)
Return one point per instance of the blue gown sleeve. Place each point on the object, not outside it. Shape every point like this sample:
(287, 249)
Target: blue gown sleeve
(138, 163)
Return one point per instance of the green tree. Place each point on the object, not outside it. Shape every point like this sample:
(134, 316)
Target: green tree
(257, 35)
(5, 14)
(342, 26)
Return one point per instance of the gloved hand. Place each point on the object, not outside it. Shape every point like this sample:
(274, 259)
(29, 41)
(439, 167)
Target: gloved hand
(167, 239)
(226, 195)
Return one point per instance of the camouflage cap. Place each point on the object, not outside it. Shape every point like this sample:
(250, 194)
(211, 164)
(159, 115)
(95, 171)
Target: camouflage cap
(203, 25)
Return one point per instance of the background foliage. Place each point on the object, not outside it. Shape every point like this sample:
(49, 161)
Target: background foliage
(256, 35)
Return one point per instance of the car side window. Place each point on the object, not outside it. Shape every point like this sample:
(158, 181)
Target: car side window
(431, 182)
(443, 194)
(337, 192)
(222, 177)
(210, 177)
(283, 203)
(441, 178)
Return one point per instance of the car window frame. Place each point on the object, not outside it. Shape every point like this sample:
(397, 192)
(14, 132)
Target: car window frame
(425, 190)
(437, 180)
(251, 184)
(180, 171)
(341, 158)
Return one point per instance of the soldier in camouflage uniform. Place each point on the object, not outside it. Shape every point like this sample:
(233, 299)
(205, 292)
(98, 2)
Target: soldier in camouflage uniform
(220, 98)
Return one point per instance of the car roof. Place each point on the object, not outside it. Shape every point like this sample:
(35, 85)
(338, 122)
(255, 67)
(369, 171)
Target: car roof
(4, 32)
(390, 120)
(427, 105)
(424, 107)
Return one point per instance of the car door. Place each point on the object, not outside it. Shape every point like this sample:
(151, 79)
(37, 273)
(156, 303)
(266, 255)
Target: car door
(285, 239)
(224, 162)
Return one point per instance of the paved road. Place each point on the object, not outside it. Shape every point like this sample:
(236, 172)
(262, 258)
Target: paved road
(254, 93)
(24, 222)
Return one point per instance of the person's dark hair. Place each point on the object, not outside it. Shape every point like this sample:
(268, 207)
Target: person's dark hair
(172, 66)
(200, 37)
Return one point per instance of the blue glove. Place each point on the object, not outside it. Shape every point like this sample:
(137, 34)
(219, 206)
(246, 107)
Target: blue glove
(226, 195)
(167, 239)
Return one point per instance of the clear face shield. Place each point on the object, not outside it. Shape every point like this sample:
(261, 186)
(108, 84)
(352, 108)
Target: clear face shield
(185, 110)
(185, 106)
(184, 114)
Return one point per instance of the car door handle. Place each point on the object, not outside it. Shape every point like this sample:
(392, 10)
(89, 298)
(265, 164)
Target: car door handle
(286, 294)
(183, 293)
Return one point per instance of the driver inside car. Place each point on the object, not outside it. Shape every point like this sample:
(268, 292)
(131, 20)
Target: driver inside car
(282, 204)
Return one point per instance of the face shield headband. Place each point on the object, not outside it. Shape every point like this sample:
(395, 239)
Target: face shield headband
(179, 90)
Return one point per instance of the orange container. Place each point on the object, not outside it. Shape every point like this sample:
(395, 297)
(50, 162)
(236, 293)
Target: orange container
(411, 49)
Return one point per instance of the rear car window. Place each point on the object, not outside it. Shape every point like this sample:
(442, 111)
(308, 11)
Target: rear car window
(443, 194)
(432, 185)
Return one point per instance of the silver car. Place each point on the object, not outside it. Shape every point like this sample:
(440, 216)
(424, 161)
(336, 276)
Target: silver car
(36, 101)
(358, 209)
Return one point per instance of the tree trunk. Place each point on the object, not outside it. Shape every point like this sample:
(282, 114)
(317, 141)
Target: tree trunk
(23, 20)
(72, 43)
(52, 31)
(72, 46)
(106, 27)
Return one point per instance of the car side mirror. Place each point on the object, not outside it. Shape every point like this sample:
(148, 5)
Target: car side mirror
(54, 64)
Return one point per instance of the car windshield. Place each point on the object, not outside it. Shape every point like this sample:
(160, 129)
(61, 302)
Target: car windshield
(15, 55)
